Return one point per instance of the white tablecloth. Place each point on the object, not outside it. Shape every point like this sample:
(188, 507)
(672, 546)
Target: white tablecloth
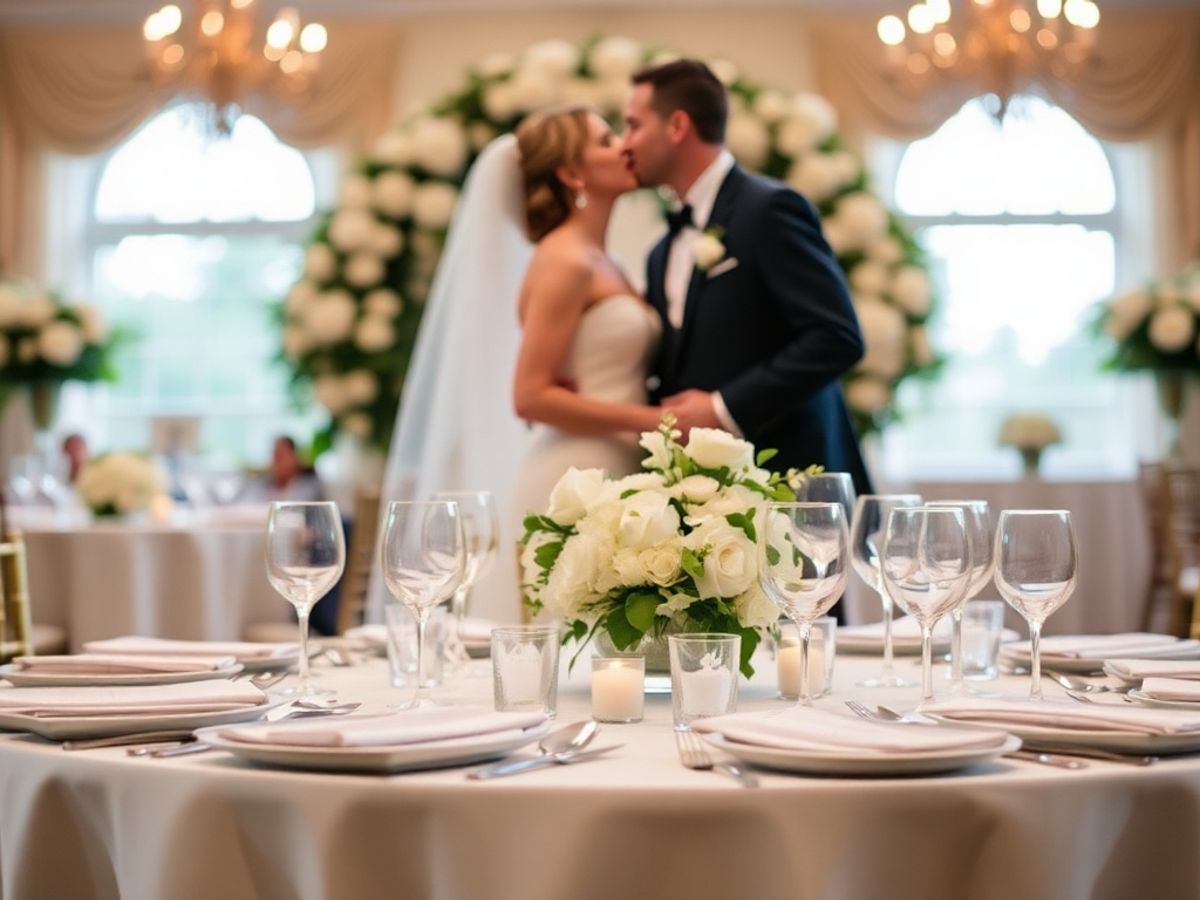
(635, 824)
(202, 582)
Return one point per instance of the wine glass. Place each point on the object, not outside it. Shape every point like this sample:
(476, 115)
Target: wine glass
(1036, 564)
(804, 555)
(424, 561)
(306, 553)
(866, 538)
(482, 531)
(828, 487)
(979, 532)
(925, 566)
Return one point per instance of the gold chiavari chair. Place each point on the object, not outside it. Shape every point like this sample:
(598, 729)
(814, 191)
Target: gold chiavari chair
(1159, 587)
(361, 558)
(1181, 527)
(16, 626)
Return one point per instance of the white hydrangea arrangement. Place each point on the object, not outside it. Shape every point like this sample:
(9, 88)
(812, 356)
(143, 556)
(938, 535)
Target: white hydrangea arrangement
(673, 546)
(1156, 327)
(1029, 431)
(119, 483)
(350, 323)
(44, 340)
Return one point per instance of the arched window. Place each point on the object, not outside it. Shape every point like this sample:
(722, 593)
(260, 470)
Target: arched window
(1022, 222)
(190, 239)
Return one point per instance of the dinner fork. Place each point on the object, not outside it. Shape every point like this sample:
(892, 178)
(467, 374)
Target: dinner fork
(694, 756)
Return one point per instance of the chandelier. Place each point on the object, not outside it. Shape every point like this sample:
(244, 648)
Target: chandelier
(223, 54)
(1001, 44)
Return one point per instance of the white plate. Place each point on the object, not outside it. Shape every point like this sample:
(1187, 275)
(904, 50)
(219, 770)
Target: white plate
(80, 679)
(1147, 700)
(396, 758)
(858, 763)
(1138, 679)
(65, 728)
(1038, 737)
(274, 663)
(1090, 664)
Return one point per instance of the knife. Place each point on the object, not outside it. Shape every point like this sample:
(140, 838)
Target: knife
(538, 762)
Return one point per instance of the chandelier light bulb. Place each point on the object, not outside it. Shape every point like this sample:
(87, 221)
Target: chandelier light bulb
(940, 10)
(240, 4)
(1073, 10)
(212, 22)
(1090, 16)
(944, 44)
(1020, 19)
(1049, 9)
(1047, 39)
(313, 37)
(280, 33)
(891, 31)
(291, 62)
(920, 19)
(172, 56)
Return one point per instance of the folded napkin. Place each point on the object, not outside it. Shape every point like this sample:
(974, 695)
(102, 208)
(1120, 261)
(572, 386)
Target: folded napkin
(416, 726)
(819, 731)
(1102, 646)
(903, 628)
(1062, 715)
(477, 631)
(1133, 669)
(147, 700)
(115, 664)
(150, 646)
(1171, 689)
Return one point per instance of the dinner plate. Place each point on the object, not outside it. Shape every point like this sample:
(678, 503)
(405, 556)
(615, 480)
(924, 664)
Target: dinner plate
(1042, 737)
(859, 763)
(1083, 665)
(1138, 679)
(275, 663)
(82, 679)
(1146, 700)
(63, 728)
(870, 644)
(394, 758)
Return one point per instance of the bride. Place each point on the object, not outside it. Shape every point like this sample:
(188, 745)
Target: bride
(527, 310)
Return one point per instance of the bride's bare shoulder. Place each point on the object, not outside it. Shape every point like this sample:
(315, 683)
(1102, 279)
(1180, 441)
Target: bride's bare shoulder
(560, 266)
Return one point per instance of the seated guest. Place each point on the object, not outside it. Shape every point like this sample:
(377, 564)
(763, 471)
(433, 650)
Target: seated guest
(287, 479)
(75, 449)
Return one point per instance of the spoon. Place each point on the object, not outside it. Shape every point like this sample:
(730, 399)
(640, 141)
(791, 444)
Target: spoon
(1073, 683)
(559, 746)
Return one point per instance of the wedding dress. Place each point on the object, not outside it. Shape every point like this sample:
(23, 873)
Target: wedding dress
(609, 357)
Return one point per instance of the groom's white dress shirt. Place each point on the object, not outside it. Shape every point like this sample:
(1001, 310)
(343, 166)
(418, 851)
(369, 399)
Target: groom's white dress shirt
(700, 196)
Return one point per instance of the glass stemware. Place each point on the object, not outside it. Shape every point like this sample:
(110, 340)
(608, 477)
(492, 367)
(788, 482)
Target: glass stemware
(804, 552)
(424, 562)
(828, 487)
(481, 528)
(1036, 565)
(866, 539)
(925, 566)
(978, 520)
(306, 554)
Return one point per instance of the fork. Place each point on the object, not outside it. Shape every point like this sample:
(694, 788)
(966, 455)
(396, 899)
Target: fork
(694, 756)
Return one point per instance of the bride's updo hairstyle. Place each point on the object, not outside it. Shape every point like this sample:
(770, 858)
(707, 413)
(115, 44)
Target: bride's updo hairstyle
(547, 141)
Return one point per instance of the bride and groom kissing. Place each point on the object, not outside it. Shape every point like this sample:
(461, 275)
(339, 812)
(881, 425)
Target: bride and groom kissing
(746, 323)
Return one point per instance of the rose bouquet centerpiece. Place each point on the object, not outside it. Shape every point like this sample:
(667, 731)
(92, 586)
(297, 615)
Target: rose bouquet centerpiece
(1030, 434)
(119, 483)
(671, 548)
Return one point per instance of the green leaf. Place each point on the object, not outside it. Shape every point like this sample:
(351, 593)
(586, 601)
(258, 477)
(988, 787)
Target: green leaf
(623, 634)
(744, 521)
(690, 563)
(765, 456)
(750, 639)
(773, 555)
(547, 554)
(640, 608)
(628, 493)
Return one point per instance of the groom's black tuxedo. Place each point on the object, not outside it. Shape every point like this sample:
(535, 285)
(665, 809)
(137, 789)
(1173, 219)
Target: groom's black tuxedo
(772, 332)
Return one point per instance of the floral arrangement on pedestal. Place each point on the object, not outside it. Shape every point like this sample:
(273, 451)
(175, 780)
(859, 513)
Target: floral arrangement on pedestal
(670, 548)
(350, 323)
(118, 483)
(1030, 434)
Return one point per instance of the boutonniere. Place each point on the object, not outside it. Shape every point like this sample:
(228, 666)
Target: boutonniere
(709, 248)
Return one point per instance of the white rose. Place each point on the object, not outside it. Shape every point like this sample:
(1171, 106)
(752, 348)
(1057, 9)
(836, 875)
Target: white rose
(818, 112)
(357, 424)
(350, 229)
(733, 499)
(713, 448)
(10, 304)
(500, 101)
(320, 262)
(615, 57)
(697, 488)
(647, 518)
(796, 136)
(496, 64)
(656, 446)
(92, 324)
(383, 302)
(748, 139)
(754, 610)
(574, 493)
(27, 350)
(1126, 313)
(301, 296)
(867, 395)
(730, 563)
(439, 146)
(862, 217)
(295, 342)
(836, 236)
(611, 93)
(707, 251)
(374, 334)
(480, 134)
(661, 563)
(726, 71)
(60, 343)
(360, 386)
(884, 333)
(628, 568)
(554, 57)
(845, 166)
(392, 193)
(575, 573)
(1168, 294)
(331, 317)
(922, 350)
(433, 204)
(886, 250)
(1192, 296)
(814, 176)
(385, 240)
(912, 291)
(641, 481)
(771, 106)
(395, 148)
(1171, 328)
(869, 277)
(330, 393)
(37, 311)
(363, 269)
(356, 191)
(534, 90)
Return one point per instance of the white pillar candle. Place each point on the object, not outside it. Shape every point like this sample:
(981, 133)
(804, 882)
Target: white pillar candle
(705, 692)
(618, 690)
(789, 668)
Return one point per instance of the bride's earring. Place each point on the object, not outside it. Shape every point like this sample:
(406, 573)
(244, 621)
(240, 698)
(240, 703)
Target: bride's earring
(581, 199)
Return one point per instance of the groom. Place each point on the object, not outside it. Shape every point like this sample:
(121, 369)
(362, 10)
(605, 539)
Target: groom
(758, 323)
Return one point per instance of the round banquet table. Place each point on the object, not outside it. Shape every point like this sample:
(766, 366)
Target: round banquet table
(633, 824)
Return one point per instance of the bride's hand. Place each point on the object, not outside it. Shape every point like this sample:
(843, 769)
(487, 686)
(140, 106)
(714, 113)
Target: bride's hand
(692, 409)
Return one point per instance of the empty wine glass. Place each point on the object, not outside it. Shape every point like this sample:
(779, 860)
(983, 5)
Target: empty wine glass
(306, 553)
(866, 540)
(828, 487)
(424, 561)
(925, 566)
(1036, 565)
(804, 552)
(978, 520)
(482, 532)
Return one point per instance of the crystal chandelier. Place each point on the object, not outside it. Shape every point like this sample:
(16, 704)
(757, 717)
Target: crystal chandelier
(221, 52)
(1000, 44)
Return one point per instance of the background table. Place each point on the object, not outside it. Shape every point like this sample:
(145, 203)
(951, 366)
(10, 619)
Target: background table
(635, 824)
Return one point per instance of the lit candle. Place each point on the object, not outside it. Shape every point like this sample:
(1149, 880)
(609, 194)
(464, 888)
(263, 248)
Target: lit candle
(789, 667)
(617, 689)
(706, 692)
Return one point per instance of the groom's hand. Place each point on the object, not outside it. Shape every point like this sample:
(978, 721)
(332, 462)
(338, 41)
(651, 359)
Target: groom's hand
(692, 409)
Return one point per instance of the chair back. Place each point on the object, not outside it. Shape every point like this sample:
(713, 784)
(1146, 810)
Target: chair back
(1181, 533)
(361, 558)
(16, 627)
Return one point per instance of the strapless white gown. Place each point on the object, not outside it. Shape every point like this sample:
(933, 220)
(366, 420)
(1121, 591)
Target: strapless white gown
(608, 360)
